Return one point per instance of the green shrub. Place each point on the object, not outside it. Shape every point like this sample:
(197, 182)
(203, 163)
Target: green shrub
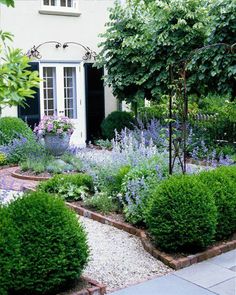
(72, 160)
(21, 149)
(69, 187)
(3, 159)
(9, 251)
(222, 183)
(116, 121)
(53, 245)
(136, 186)
(102, 202)
(11, 128)
(114, 181)
(182, 214)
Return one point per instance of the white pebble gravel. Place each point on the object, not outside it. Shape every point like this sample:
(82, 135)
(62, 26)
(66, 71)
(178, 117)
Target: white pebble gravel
(117, 258)
(7, 196)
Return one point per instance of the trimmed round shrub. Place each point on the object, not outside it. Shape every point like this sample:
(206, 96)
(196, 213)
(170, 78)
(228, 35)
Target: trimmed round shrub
(222, 183)
(67, 186)
(116, 121)
(53, 244)
(11, 127)
(181, 215)
(9, 251)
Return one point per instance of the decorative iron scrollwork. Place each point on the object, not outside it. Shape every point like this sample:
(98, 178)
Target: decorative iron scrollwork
(89, 53)
(34, 51)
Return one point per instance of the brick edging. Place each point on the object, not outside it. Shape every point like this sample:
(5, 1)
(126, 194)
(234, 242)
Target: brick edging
(8, 166)
(168, 259)
(28, 177)
(96, 289)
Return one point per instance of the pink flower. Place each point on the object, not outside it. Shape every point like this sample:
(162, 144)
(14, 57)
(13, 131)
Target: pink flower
(59, 131)
(50, 127)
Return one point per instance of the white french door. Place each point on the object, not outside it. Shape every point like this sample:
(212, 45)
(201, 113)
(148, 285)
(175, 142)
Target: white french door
(62, 93)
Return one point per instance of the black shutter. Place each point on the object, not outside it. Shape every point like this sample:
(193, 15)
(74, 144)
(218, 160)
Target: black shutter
(31, 112)
(95, 106)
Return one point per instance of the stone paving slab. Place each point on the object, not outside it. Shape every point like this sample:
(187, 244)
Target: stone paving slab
(226, 288)
(233, 268)
(215, 276)
(205, 274)
(228, 260)
(167, 285)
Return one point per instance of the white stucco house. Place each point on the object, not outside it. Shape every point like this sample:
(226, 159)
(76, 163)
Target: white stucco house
(61, 36)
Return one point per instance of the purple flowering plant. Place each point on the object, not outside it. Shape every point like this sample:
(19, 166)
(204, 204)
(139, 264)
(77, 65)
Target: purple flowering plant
(54, 125)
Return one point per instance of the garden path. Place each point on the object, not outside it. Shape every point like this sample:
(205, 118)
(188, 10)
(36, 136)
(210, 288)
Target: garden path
(7, 182)
(118, 258)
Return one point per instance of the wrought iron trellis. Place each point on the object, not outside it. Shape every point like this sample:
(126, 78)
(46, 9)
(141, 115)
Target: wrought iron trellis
(178, 145)
(35, 53)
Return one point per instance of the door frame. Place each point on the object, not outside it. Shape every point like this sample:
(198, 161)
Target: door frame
(79, 136)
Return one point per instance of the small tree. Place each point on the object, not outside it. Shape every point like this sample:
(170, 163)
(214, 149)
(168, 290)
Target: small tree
(16, 81)
(8, 2)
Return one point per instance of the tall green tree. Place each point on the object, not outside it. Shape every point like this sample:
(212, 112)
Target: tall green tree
(144, 38)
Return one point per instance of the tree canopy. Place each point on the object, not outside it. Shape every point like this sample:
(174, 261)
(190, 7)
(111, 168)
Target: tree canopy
(143, 38)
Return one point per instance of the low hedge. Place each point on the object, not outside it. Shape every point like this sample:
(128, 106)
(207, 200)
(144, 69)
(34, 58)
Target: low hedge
(11, 128)
(67, 186)
(116, 121)
(9, 251)
(222, 183)
(53, 245)
(182, 214)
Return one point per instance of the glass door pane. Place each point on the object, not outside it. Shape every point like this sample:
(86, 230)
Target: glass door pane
(70, 92)
(49, 90)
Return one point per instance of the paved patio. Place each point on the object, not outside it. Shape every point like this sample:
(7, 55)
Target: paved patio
(214, 276)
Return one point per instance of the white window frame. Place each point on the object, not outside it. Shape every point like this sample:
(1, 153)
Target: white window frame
(57, 9)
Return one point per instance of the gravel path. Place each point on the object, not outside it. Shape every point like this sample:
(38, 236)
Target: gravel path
(118, 258)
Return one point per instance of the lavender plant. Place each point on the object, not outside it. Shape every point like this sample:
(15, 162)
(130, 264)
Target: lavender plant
(22, 148)
(137, 183)
(143, 159)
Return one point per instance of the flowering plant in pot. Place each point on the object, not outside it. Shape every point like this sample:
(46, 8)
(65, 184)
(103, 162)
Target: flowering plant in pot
(56, 132)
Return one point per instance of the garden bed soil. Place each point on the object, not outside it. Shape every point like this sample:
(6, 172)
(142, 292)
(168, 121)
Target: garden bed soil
(174, 260)
(112, 215)
(85, 286)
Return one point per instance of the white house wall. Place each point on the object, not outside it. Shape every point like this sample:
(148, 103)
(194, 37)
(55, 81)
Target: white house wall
(30, 28)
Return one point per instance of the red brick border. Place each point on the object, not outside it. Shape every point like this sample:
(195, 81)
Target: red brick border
(8, 166)
(96, 289)
(175, 263)
(28, 177)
